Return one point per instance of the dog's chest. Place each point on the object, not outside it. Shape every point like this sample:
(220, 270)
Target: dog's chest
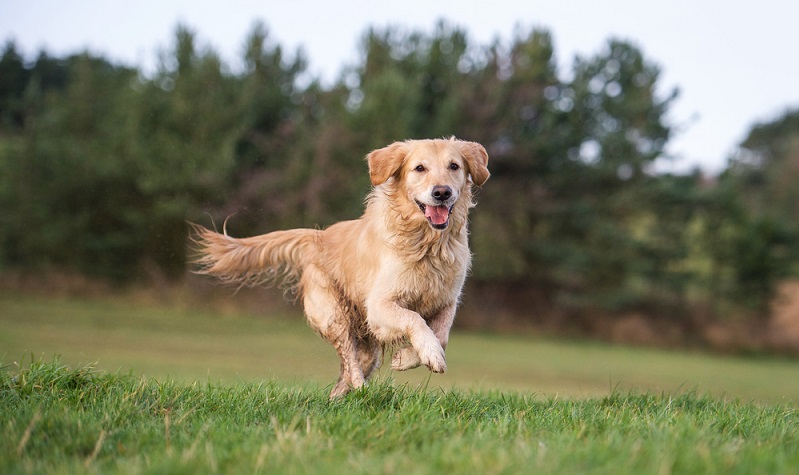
(430, 285)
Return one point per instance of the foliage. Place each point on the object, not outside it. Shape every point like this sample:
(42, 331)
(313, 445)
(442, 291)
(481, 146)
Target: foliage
(100, 166)
(55, 419)
(762, 175)
(765, 166)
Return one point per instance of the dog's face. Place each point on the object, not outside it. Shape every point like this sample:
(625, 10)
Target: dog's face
(430, 174)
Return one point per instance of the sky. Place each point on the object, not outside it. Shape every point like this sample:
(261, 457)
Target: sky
(734, 62)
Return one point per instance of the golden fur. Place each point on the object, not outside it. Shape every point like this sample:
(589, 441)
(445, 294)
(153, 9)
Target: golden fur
(392, 277)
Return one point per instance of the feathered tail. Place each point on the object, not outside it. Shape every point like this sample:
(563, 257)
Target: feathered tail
(257, 260)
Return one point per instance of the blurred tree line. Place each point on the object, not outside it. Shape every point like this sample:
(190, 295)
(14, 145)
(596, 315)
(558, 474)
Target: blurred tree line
(101, 166)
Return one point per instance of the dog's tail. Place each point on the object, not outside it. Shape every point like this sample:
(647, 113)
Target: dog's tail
(257, 260)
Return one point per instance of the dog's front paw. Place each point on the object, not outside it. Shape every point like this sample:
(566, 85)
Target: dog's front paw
(432, 356)
(405, 359)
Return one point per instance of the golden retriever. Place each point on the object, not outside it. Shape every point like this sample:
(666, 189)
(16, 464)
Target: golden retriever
(392, 277)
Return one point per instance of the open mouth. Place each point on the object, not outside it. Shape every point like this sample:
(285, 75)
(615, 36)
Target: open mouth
(437, 216)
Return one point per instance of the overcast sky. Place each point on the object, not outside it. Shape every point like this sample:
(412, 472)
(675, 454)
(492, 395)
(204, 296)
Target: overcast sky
(734, 62)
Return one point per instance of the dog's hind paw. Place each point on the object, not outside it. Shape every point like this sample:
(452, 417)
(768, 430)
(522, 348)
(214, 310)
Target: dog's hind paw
(405, 359)
(339, 390)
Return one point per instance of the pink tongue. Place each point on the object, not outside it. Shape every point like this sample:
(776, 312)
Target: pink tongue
(437, 214)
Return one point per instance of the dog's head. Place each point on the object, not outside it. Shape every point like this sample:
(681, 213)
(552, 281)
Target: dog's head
(431, 174)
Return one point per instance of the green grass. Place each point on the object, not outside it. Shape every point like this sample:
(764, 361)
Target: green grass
(187, 344)
(181, 390)
(54, 419)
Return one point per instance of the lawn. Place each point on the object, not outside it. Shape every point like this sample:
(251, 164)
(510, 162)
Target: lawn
(188, 344)
(179, 390)
(54, 419)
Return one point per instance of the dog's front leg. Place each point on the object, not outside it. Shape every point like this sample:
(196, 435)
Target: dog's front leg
(406, 358)
(389, 322)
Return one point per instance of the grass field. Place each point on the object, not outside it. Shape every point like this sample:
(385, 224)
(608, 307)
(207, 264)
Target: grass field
(187, 391)
(59, 420)
(187, 345)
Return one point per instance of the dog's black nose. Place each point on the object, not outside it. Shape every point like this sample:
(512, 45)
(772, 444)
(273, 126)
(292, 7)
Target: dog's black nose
(442, 193)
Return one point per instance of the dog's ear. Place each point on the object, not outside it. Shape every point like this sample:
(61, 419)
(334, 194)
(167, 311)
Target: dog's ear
(385, 162)
(477, 159)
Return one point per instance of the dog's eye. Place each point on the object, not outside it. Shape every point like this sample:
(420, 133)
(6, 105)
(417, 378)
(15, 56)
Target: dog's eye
(419, 168)
(454, 166)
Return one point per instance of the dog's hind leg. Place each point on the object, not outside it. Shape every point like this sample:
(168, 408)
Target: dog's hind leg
(351, 376)
(369, 355)
(333, 322)
(341, 324)
(405, 359)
